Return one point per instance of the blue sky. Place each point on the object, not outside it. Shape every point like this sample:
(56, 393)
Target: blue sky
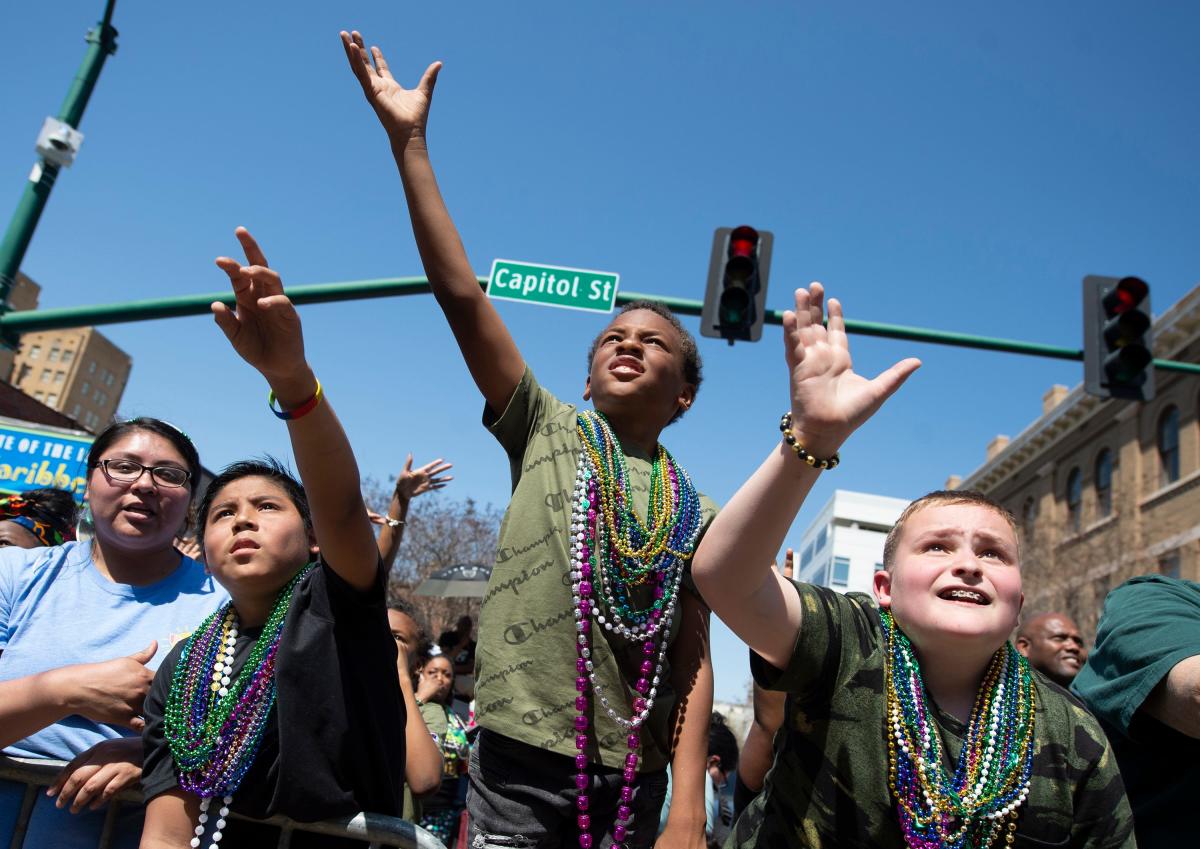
(950, 165)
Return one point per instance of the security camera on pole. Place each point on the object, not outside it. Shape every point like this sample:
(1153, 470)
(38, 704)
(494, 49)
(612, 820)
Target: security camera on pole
(57, 144)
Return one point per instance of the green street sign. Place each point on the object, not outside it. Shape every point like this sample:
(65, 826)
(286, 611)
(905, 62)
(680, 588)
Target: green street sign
(553, 285)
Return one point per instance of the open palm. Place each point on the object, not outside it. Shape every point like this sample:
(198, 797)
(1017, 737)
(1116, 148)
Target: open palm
(829, 401)
(402, 111)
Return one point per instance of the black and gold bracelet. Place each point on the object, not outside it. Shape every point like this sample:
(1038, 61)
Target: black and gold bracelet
(785, 426)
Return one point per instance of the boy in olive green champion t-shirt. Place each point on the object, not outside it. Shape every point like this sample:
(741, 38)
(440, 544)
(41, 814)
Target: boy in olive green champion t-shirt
(537, 777)
(915, 723)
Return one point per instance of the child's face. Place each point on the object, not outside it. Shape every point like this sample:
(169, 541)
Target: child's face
(638, 365)
(955, 577)
(254, 537)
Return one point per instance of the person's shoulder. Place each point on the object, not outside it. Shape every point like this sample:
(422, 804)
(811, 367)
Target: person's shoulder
(1069, 723)
(28, 565)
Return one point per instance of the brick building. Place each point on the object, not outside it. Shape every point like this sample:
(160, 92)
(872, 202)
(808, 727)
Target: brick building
(1106, 489)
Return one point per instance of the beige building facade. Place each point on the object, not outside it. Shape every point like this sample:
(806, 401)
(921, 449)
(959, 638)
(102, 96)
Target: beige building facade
(22, 296)
(78, 372)
(1106, 489)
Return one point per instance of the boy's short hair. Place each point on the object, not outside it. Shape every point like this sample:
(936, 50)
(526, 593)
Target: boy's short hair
(722, 743)
(693, 365)
(268, 468)
(943, 497)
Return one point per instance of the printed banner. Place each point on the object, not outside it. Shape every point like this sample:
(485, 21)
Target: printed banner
(33, 457)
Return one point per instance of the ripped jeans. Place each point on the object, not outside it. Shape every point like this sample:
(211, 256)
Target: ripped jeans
(523, 797)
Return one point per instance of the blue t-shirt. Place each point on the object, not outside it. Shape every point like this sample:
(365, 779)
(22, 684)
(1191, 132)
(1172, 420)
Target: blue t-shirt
(56, 610)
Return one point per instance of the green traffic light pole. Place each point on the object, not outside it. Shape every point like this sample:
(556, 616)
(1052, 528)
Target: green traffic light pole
(102, 43)
(14, 323)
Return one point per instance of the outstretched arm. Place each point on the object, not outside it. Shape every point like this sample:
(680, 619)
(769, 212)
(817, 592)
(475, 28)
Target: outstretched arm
(265, 331)
(732, 567)
(410, 483)
(490, 353)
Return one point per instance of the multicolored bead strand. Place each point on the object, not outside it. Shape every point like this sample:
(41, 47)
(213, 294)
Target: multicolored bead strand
(614, 553)
(213, 723)
(991, 780)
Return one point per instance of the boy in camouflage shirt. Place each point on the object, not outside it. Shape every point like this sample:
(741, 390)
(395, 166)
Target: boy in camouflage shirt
(849, 769)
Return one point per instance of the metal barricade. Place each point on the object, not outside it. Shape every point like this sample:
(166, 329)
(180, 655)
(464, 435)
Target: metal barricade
(373, 829)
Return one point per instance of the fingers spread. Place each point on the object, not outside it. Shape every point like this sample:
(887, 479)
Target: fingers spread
(225, 319)
(381, 64)
(429, 79)
(358, 62)
(254, 254)
(837, 324)
(893, 378)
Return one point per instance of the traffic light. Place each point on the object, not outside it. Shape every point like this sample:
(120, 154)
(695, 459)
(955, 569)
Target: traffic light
(1117, 342)
(734, 303)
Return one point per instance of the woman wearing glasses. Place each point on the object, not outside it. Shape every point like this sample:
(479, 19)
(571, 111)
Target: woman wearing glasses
(84, 625)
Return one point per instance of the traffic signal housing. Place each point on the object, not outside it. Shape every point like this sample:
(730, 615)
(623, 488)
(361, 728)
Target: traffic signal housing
(1118, 347)
(735, 300)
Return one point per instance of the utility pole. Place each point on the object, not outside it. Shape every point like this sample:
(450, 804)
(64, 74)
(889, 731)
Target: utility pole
(60, 140)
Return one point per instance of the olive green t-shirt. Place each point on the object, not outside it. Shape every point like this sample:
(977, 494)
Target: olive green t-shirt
(828, 786)
(525, 658)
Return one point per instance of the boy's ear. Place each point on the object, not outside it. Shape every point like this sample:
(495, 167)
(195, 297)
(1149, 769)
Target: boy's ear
(686, 397)
(881, 584)
(312, 543)
(587, 389)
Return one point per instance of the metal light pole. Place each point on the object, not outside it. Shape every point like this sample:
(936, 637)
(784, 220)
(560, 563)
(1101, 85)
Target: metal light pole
(102, 43)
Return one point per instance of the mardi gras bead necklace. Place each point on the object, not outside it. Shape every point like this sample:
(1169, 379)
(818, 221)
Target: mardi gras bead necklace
(614, 553)
(967, 810)
(213, 722)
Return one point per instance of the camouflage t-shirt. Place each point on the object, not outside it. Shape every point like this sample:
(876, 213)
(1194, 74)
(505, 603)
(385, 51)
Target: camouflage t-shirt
(828, 786)
(525, 659)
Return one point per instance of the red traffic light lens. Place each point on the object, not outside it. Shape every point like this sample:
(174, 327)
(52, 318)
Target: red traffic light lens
(1129, 292)
(743, 241)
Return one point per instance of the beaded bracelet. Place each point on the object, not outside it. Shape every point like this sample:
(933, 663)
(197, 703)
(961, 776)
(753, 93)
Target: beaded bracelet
(297, 412)
(785, 425)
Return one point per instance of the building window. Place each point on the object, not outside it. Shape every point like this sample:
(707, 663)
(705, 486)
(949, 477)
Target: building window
(108, 378)
(52, 399)
(75, 412)
(1168, 565)
(68, 356)
(59, 376)
(35, 351)
(841, 571)
(83, 390)
(1104, 474)
(96, 396)
(26, 370)
(1168, 446)
(39, 395)
(45, 375)
(1028, 517)
(92, 367)
(1074, 501)
(52, 357)
(806, 555)
(822, 536)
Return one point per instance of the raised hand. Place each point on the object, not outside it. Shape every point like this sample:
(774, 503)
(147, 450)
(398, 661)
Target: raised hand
(830, 401)
(403, 112)
(432, 476)
(789, 564)
(264, 328)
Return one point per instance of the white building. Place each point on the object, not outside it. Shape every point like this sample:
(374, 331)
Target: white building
(843, 548)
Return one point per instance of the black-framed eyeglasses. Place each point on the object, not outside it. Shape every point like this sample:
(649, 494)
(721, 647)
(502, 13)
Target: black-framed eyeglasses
(127, 471)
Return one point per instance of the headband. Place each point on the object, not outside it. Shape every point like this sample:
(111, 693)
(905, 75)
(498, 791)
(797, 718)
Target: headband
(14, 508)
